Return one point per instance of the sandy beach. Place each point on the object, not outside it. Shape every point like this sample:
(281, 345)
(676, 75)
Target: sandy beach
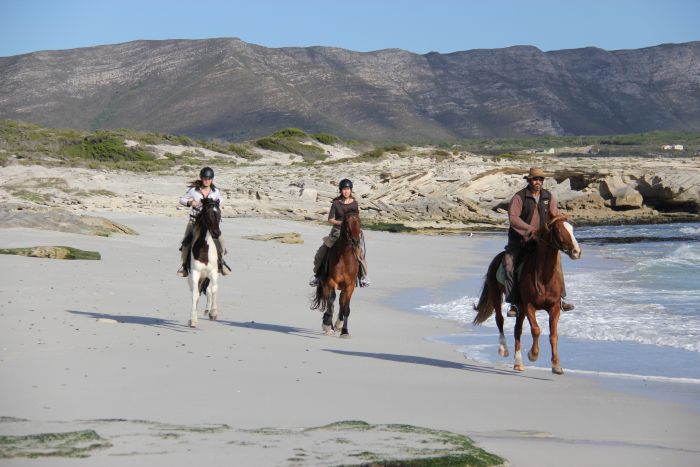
(104, 346)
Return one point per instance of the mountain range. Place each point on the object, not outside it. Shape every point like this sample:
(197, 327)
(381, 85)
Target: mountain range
(230, 89)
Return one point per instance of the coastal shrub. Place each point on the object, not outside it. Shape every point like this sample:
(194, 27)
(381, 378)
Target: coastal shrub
(105, 148)
(325, 138)
(290, 133)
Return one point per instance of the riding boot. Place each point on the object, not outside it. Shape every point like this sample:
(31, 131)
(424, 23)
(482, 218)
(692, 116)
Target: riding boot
(513, 311)
(224, 269)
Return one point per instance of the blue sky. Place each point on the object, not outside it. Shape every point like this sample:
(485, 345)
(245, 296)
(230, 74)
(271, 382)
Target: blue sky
(361, 25)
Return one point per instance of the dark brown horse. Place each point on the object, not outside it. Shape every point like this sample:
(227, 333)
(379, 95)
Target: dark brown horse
(341, 274)
(540, 288)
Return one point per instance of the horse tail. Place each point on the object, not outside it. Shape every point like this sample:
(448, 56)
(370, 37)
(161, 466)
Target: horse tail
(319, 301)
(203, 285)
(485, 307)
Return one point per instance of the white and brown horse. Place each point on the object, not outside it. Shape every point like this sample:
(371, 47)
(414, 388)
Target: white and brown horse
(203, 274)
(540, 289)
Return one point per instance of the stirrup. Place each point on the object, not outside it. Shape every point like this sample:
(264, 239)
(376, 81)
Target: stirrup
(513, 311)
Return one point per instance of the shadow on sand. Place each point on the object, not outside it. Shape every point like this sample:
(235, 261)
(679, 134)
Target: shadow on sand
(142, 320)
(434, 362)
(301, 332)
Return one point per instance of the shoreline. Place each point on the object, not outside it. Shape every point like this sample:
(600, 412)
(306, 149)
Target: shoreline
(658, 387)
(114, 345)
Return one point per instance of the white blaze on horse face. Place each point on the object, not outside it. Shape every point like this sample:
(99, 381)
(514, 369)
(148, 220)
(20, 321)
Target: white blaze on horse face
(576, 250)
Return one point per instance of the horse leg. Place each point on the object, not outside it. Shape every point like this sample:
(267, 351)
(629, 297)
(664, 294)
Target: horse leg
(554, 337)
(518, 332)
(344, 314)
(194, 288)
(502, 343)
(212, 294)
(329, 294)
(534, 352)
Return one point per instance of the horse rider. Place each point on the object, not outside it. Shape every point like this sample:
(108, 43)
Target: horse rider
(530, 209)
(197, 191)
(343, 203)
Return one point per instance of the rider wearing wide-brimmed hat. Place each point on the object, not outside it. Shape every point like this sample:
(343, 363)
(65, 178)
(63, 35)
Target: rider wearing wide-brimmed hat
(529, 210)
(197, 191)
(343, 203)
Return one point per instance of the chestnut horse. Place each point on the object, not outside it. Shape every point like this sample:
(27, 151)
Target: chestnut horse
(540, 288)
(203, 274)
(341, 274)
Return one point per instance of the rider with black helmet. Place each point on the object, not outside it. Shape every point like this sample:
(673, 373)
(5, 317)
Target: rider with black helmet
(341, 204)
(198, 190)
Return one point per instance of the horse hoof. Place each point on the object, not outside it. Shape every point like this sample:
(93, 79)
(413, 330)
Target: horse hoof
(192, 323)
(533, 356)
(213, 317)
(519, 368)
(327, 328)
(345, 336)
(557, 370)
(503, 352)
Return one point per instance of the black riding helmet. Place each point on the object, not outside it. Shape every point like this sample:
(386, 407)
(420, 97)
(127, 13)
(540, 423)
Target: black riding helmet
(206, 172)
(344, 183)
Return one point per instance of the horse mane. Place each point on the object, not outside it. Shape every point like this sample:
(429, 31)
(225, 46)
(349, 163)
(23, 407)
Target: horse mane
(557, 218)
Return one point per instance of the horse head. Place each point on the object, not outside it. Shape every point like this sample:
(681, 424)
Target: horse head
(352, 228)
(560, 235)
(210, 215)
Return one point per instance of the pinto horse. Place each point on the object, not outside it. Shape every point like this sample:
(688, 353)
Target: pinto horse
(341, 275)
(203, 274)
(540, 288)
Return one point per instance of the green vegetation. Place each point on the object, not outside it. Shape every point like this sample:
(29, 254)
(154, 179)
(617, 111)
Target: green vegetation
(290, 133)
(639, 144)
(33, 144)
(388, 227)
(74, 444)
(325, 138)
(52, 252)
(309, 152)
(132, 150)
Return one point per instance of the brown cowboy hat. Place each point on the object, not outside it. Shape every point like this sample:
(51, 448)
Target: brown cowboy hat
(535, 172)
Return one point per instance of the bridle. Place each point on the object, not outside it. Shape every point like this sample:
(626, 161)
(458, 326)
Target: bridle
(553, 242)
(345, 230)
(203, 214)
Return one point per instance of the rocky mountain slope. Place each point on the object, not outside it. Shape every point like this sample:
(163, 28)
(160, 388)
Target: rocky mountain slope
(231, 89)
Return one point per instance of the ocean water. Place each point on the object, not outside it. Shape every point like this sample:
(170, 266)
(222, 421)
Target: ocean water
(637, 316)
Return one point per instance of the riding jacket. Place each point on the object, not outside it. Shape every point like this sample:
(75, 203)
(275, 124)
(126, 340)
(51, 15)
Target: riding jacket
(194, 193)
(527, 214)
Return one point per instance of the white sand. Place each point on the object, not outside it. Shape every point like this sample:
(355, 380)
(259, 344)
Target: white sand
(65, 362)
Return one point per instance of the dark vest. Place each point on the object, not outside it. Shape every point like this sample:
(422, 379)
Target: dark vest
(529, 206)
